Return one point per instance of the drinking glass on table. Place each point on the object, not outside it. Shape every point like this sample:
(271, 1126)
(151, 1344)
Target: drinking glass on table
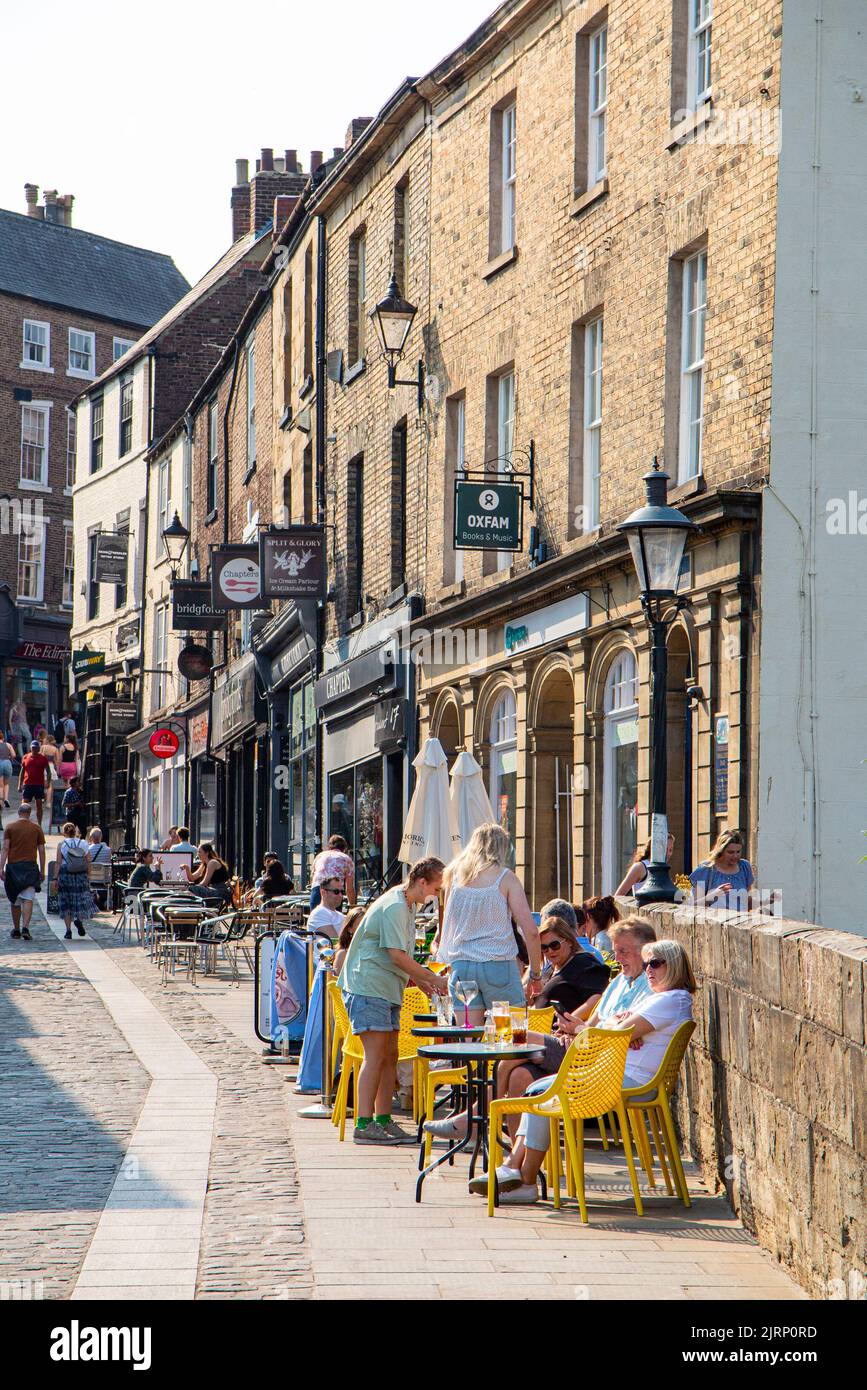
(502, 1015)
(465, 991)
(444, 1010)
(519, 1025)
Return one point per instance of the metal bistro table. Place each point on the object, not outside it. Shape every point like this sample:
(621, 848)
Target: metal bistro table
(475, 1057)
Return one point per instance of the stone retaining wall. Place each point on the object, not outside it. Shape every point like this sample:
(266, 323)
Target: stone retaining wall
(775, 1102)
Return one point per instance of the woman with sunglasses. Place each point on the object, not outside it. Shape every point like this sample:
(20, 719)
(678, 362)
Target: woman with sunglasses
(654, 1020)
(577, 976)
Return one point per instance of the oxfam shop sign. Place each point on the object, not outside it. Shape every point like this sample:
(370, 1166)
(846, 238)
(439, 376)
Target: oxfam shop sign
(488, 516)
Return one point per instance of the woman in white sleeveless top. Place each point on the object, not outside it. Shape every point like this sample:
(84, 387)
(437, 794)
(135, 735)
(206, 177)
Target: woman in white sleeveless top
(483, 895)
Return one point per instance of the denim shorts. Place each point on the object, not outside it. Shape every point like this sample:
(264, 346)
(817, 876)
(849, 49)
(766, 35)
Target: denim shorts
(368, 1014)
(5, 767)
(495, 979)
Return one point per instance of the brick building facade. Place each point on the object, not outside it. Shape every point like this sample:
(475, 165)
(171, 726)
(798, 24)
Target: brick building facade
(70, 304)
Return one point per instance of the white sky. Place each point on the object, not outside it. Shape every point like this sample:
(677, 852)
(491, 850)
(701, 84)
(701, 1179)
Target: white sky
(141, 111)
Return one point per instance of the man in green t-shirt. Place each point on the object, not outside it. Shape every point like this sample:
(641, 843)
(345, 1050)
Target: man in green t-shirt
(374, 975)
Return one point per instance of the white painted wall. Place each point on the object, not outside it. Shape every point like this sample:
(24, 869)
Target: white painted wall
(813, 711)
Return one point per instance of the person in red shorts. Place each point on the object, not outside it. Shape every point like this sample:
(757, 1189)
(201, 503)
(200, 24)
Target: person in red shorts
(34, 778)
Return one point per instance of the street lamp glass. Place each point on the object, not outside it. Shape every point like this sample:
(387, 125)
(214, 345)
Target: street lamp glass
(657, 553)
(175, 538)
(392, 318)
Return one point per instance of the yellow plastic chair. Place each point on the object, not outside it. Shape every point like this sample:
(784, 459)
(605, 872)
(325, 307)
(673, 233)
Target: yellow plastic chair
(353, 1056)
(339, 1019)
(587, 1085)
(415, 1001)
(650, 1104)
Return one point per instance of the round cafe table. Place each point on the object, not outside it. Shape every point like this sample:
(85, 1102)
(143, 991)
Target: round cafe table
(447, 1030)
(476, 1057)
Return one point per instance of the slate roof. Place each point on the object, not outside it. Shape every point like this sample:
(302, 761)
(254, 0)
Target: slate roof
(237, 252)
(75, 269)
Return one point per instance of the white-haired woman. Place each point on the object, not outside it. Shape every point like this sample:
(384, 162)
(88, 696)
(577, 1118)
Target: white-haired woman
(482, 898)
(654, 1020)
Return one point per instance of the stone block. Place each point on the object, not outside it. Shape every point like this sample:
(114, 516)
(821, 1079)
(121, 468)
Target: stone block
(823, 1080)
(773, 1039)
(766, 965)
(853, 969)
(739, 939)
(822, 979)
(740, 1039)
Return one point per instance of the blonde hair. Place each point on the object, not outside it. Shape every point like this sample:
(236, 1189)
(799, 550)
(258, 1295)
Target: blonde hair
(678, 971)
(489, 847)
(723, 840)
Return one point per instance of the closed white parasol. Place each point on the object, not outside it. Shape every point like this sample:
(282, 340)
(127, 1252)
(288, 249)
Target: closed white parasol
(472, 805)
(430, 827)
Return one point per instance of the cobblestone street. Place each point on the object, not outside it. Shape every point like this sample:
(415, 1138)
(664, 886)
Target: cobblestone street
(148, 1154)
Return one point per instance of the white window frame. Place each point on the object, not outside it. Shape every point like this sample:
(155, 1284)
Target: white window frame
(251, 403)
(503, 736)
(597, 125)
(80, 371)
(361, 267)
(42, 409)
(119, 346)
(508, 175)
(30, 535)
(505, 441)
(159, 646)
(125, 383)
(594, 338)
(68, 590)
(620, 705)
(213, 457)
(71, 447)
(693, 325)
(29, 365)
(699, 52)
(164, 497)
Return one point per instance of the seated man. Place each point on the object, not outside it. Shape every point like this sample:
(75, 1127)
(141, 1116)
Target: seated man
(653, 1018)
(624, 991)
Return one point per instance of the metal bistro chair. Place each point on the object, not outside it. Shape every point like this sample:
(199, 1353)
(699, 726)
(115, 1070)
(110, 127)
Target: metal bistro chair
(150, 903)
(227, 933)
(172, 948)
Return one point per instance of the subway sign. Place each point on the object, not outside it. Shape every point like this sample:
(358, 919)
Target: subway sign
(489, 516)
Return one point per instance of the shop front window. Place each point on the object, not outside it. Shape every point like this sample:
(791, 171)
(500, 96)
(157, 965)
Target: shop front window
(297, 802)
(207, 800)
(504, 763)
(620, 770)
(27, 710)
(355, 812)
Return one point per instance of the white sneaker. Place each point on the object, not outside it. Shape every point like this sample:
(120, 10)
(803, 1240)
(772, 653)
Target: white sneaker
(506, 1178)
(447, 1129)
(519, 1196)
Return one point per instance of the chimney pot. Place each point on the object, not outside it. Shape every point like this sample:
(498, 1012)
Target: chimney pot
(315, 160)
(51, 212)
(258, 165)
(279, 164)
(31, 197)
(292, 161)
(338, 151)
(242, 172)
(267, 161)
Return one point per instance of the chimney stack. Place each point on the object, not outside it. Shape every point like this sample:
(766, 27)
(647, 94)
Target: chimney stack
(283, 205)
(274, 179)
(315, 160)
(355, 128)
(31, 195)
(64, 209)
(240, 201)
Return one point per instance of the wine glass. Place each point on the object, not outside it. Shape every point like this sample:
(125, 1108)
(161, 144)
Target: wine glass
(466, 990)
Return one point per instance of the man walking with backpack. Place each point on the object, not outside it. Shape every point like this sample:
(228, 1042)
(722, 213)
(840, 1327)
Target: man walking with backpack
(23, 846)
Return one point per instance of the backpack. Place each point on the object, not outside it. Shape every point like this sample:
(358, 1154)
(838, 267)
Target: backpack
(75, 859)
(59, 732)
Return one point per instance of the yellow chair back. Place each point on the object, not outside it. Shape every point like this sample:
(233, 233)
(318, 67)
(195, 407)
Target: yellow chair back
(591, 1074)
(540, 1020)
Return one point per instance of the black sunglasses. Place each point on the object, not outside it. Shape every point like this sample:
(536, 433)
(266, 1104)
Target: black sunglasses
(654, 964)
(551, 945)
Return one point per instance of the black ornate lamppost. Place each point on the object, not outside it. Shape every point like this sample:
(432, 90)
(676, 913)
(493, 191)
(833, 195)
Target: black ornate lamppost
(657, 537)
(392, 319)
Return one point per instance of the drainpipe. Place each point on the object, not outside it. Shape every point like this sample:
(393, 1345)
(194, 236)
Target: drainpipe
(132, 758)
(321, 609)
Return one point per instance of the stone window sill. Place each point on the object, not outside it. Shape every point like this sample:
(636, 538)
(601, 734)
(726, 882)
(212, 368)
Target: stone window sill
(25, 485)
(588, 199)
(211, 517)
(36, 367)
(450, 591)
(500, 262)
(355, 370)
(690, 488)
(689, 127)
(306, 388)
